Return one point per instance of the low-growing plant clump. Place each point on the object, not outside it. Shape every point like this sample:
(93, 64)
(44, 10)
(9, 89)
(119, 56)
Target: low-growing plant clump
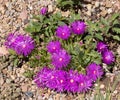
(70, 51)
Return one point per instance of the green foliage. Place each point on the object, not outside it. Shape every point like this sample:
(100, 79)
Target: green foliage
(28, 73)
(69, 4)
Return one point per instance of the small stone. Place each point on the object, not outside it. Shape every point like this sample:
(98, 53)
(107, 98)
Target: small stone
(109, 11)
(97, 4)
(102, 86)
(50, 8)
(88, 13)
(96, 84)
(1, 80)
(89, 6)
(103, 13)
(8, 81)
(108, 4)
(115, 92)
(24, 87)
(10, 68)
(29, 94)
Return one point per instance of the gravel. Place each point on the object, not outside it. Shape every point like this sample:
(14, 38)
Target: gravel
(15, 15)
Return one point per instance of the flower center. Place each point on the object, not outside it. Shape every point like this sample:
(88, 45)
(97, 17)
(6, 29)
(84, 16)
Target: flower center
(54, 48)
(52, 77)
(94, 72)
(71, 80)
(81, 84)
(24, 46)
(61, 81)
(63, 33)
(60, 59)
(78, 29)
(108, 57)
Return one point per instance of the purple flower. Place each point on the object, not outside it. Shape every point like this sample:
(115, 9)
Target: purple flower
(84, 83)
(11, 40)
(43, 10)
(101, 46)
(63, 32)
(61, 59)
(108, 57)
(61, 80)
(41, 77)
(78, 27)
(94, 71)
(53, 47)
(24, 45)
(72, 82)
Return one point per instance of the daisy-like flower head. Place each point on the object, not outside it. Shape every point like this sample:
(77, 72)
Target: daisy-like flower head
(54, 47)
(11, 40)
(61, 59)
(94, 71)
(52, 80)
(108, 57)
(63, 32)
(72, 82)
(101, 46)
(24, 45)
(43, 10)
(78, 27)
(41, 77)
(84, 83)
(61, 76)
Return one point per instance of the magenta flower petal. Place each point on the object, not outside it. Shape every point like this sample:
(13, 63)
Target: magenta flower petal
(101, 46)
(78, 27)
(63, 32)
(43, 10)
(85, 83)
(41, 77)
(61, 59)
(108, 57)
(72, 82)
(11, 40)
(24, 45)
(94, 71)
(54, 47)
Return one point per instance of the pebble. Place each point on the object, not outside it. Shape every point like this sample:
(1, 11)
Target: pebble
(109, 11)
(102, 86)
(29, 94)
(97, 4)
(8, 81)
(1, 80)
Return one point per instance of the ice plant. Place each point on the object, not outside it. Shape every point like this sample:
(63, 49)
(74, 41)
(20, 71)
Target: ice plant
(41, 77)
(63, 32)
(53, 47)
(60, 59)
(11, 40)
(72, 82)
(108, 57)
(94, 71)
(78, 27)
(43, 10)
(61, 77)
(85, 83)
(101, 46)
(24, 45)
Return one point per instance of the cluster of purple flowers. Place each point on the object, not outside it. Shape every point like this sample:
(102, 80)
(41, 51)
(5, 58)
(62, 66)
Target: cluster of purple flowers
(64, 31)
(22, 44)
(71, 81)
(107, 55)
(60, 57)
